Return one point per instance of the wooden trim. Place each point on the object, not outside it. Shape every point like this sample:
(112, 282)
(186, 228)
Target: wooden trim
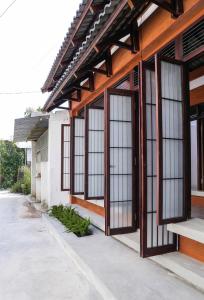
(86, 191)
(88, 205)
(197, 200)
(144, 250)
(86, 143)
(107, 162)
(123, 61)
(72, 155)
(120, 92)
(196, 53)
(186, 143)
(62, 157)
(191, 248)
(196, 73)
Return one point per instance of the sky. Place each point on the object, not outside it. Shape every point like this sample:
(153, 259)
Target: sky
(31, 34)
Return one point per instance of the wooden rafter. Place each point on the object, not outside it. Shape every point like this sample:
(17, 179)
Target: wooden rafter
(108, 65)
(90, 87)
(134, 39)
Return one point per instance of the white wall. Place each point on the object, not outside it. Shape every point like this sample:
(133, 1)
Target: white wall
(55, 195)
(33, 170)
(41, 153)
(44, 182)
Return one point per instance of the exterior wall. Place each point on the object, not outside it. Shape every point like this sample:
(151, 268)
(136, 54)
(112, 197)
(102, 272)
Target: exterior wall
(29, 156)
(33, 170)
(55, 195)
(44, 182)
(41, 168)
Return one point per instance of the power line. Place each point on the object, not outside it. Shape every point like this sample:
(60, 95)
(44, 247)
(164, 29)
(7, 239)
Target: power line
(20, 93)
(3, 13)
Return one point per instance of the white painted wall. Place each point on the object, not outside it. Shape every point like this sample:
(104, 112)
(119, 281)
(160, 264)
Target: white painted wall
(46, 163)
(33, 170)
(41, 152)
(55, 195)
(44, 182)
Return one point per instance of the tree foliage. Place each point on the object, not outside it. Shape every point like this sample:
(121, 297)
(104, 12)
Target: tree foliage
(30, 110)
(11, 158)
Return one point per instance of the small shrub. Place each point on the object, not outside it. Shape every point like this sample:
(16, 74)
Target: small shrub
(16, 188)
(70, 218)
(23, 184)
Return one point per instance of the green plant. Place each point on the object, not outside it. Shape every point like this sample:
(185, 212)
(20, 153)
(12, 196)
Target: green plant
(23, 184)
(70, 218)
(16, 188)
(11, 158)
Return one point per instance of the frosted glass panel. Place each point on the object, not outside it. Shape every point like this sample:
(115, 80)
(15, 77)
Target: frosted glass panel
(65, 185)
(172, 140)
(95, 153)
(79, 149)
(156, 235)
(120, 161)
(194, 156)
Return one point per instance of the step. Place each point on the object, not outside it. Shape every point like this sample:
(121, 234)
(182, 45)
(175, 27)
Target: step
(119, 273)
(192, 229)
(183, 266)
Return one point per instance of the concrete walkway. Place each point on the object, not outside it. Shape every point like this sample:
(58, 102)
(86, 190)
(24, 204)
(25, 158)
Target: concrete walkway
(32, 265)
(36, 266)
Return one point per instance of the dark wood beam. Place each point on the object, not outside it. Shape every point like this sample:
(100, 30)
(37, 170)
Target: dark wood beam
(90, 87)
(108, 63)
(63, 107)
(98, 71)
(95, 42)
(134, 39)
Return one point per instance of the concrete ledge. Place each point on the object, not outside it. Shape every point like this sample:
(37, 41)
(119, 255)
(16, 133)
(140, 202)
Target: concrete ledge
(58, 232)
(185, 267)
(197, 193)
(192, 229)
(92, 256)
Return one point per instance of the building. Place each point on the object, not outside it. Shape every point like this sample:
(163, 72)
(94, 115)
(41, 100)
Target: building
(48, 134)
(28, 152)
(132, 73)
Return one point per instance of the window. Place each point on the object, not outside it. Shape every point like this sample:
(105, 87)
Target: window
(197, 147)
(78, 150)
(65, 158)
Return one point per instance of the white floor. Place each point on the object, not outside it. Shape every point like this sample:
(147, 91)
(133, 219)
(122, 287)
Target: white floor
(32, 265)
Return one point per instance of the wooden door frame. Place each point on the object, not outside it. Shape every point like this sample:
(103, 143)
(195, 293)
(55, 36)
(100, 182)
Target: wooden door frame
(144, 250)
(186, 141)
(135, 160)
(86, 175)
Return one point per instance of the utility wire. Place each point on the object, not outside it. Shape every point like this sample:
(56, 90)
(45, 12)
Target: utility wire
(3, 13)
(20, 93)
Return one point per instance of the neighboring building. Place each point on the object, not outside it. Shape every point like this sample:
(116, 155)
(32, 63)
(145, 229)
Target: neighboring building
(28, 152)
(45, 131)
(130, 71)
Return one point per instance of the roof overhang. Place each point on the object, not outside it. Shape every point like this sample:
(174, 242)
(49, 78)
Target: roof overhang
(115, 20)
(30, 128)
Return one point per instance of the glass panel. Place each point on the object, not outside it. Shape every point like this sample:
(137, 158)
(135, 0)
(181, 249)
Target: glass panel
(95, 153)
(194, 156)
(172, 140)
(66, 158)
(79, 155)
(120, 161)
(156, 235)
